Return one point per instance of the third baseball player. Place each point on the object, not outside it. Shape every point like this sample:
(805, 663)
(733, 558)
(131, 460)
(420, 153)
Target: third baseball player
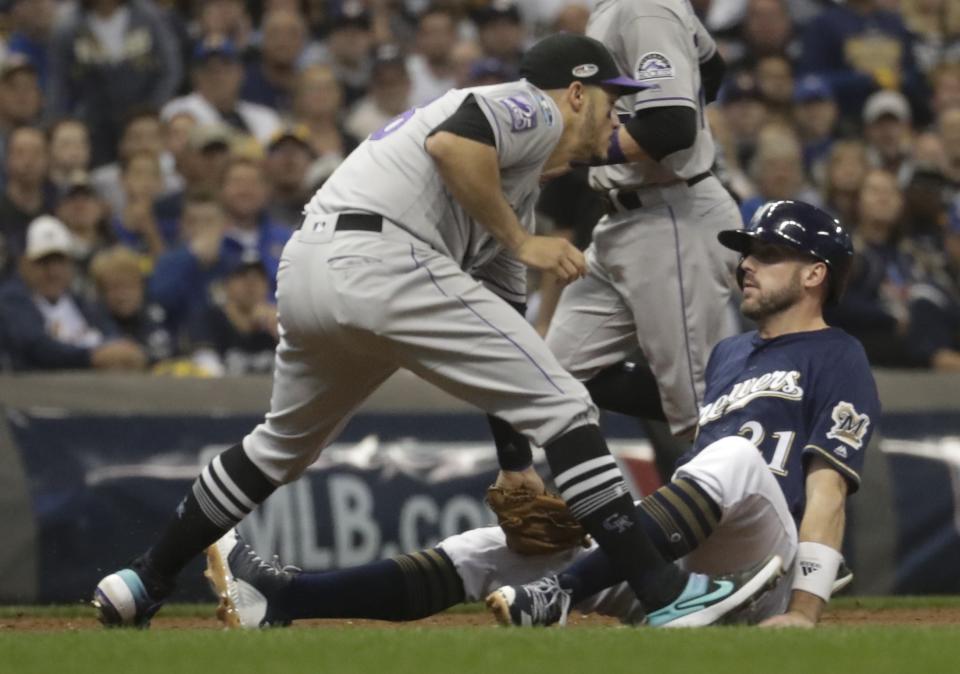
(657, 276)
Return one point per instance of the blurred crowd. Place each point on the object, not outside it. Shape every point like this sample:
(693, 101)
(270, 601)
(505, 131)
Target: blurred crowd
(155, 156)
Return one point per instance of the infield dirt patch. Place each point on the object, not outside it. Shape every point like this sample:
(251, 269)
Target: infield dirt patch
(848, 616)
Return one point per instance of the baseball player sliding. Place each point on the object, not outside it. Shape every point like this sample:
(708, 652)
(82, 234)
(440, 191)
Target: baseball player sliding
(405, 259)
(787, 416)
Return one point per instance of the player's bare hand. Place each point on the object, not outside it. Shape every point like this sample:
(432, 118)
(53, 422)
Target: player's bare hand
(527, 478)
(552, 254)
(789, 619)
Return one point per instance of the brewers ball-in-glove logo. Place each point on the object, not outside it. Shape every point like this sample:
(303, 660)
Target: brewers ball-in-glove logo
(848, 425)
(523, 114)
(654, 66)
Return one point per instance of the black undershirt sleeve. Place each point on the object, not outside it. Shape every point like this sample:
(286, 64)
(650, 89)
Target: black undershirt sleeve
(468, 122)
(711, 75)
(663, 130)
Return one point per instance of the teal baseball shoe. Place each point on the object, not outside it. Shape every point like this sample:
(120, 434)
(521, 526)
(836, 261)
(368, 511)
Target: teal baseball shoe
(706, 600)
(121, 599)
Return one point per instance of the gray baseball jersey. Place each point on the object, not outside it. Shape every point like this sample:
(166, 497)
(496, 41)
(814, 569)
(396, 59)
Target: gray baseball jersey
(658, 278)
(661, 43)
(424, 293)
(391, 175)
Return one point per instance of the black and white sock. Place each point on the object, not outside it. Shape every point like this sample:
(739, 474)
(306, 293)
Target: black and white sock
(591, 483)
(225, 492)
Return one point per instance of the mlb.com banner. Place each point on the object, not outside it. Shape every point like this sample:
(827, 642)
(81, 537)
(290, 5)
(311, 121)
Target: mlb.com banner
(923, 458)
(104, 486)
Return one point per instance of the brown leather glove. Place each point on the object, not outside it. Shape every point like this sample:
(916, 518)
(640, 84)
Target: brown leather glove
(535, 524)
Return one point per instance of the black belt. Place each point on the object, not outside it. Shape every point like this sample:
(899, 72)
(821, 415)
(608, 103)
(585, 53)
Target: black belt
(631, 200)
(359, 222)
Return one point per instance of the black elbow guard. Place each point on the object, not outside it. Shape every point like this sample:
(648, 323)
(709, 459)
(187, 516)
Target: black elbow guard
(663, 130)
(711, 76)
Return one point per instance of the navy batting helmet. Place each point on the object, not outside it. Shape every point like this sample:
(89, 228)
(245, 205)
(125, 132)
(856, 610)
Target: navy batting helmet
(800, 226)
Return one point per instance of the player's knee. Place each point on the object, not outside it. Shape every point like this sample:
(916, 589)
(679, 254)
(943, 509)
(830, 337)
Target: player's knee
(577, 411)
(282, 462)
(739, 453)
(553, 416)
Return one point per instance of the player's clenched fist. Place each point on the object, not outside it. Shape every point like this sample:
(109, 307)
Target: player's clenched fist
(552, 254)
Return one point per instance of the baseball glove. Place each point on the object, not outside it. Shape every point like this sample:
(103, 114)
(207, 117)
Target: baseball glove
(535, 524)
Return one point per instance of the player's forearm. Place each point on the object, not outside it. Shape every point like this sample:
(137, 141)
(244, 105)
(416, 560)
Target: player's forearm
(823, 523)
(471, 173)
(824, 516)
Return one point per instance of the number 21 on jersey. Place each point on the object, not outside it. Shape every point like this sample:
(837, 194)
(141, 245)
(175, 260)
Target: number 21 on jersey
(754, 432)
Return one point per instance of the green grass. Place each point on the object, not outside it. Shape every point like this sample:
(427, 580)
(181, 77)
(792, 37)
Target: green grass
(585, 650)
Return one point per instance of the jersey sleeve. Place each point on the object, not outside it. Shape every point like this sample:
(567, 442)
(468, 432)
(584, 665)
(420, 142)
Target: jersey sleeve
(526, 127)
(845, 413)
(703, 41)
(659, 50)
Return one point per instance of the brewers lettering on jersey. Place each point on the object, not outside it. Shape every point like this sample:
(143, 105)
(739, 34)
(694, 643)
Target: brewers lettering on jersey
(802, 394)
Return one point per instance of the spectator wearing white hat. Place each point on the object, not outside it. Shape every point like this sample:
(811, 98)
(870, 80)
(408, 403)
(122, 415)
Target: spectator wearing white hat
(48, 327)
(888, 131)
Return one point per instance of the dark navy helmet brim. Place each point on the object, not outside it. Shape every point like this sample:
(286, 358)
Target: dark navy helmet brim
(739, 240)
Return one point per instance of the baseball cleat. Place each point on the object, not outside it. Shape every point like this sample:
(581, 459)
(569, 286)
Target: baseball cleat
(245, 584)
(540, 603)
(706, 600)
(844, 578)
(122, 600)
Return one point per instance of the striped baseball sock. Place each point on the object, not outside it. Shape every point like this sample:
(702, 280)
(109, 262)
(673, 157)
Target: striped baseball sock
(591, 483)
(677, 517)
(226, 491)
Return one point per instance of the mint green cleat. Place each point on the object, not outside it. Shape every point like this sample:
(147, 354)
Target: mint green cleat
(706, 600)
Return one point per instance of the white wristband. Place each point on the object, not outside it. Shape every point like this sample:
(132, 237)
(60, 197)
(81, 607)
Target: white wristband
(816, 568)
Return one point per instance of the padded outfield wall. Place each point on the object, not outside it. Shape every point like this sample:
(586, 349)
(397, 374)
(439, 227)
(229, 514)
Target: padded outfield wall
(92, 465)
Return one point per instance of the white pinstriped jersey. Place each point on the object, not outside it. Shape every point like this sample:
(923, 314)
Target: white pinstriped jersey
(391, 174)
(662, 43)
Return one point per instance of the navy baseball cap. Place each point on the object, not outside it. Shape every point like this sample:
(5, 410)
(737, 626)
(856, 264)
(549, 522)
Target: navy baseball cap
(498, 10)
(249, 259)
(741, 87)
(812, 88)
(556, 61)
(215, 47)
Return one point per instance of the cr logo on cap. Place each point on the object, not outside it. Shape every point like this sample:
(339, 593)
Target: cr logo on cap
(586, 70)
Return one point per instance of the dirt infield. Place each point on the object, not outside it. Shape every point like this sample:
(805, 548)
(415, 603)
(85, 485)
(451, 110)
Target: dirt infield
(848, 616)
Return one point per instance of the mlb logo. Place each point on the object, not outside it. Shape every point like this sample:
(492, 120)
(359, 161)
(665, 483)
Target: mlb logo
(523, 114)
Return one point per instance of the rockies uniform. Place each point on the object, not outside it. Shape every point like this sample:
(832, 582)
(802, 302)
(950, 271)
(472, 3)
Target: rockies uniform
(403, 294)
(657, 276)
